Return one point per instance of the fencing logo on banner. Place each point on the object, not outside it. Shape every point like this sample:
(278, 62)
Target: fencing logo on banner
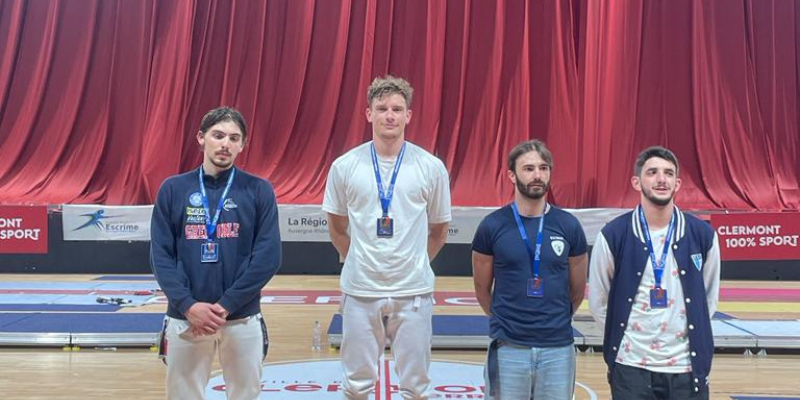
(95, 220)
(91, 222)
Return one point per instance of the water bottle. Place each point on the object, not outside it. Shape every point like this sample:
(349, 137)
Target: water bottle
(316, 339)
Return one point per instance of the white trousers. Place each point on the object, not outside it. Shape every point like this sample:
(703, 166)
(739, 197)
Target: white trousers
(241, 347)
(367, 324)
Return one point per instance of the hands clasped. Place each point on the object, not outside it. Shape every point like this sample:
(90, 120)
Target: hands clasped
(206, 318)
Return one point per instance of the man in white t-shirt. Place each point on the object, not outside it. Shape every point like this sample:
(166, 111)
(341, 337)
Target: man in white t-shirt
(395, 199)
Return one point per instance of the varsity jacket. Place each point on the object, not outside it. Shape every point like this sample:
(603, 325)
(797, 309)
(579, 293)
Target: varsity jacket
(693, 240)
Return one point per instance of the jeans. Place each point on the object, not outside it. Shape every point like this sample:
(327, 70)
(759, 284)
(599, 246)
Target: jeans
(538, 373)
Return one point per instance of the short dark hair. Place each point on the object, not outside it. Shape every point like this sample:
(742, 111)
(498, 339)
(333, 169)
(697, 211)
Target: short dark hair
(654, 151)
(389, 85)
(526, 147)
(222, 114)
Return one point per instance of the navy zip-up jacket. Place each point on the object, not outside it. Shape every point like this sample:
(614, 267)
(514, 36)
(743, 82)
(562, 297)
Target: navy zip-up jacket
(247, 236)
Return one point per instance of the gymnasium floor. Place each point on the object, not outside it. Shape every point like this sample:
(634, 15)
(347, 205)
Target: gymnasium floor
(89, 373)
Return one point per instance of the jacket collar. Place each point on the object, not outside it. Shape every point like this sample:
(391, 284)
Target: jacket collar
(680, 228)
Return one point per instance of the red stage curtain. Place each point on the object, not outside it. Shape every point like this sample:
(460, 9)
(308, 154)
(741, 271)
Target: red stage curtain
(100, 100)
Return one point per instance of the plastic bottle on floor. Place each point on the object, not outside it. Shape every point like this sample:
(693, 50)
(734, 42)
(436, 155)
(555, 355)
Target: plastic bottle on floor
(316, 338)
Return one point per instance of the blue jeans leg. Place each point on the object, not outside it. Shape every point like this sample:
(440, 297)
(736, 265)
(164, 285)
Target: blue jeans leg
(537, 373)
(554, 373)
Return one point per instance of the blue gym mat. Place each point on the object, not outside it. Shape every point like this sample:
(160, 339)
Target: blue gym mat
(444, 325)
(13, 286)
(60, 307)
(125, 278)
(66, 302)
(80, 323)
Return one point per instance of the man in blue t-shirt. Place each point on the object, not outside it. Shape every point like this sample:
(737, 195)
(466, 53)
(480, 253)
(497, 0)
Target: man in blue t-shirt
(529, 266)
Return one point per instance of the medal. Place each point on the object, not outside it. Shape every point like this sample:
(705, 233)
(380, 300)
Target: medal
(658, 295)
(209, 251)
(385, 225)
(658, 298)
(535, 285)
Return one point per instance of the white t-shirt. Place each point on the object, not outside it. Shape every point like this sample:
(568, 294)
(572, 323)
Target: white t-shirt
(396, 266)
(657, 338)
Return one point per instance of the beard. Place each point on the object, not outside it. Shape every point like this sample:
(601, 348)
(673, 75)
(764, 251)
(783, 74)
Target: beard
(221, 159)
(533, 192)
(222, 164)
(659, 201)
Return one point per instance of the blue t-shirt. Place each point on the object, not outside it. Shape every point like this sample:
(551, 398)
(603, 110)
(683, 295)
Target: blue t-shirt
(517, 318)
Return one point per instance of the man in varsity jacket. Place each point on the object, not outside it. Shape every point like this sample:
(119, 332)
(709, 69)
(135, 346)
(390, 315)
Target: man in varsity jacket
(215, 243)
(653, 287)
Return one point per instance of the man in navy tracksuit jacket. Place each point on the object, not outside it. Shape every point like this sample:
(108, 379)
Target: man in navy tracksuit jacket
(653, 287)
(213, 282)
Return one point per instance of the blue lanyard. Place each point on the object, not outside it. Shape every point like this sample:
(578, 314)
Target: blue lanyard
(386, 198)
(535, 255)
(658, 268)
(211, 225)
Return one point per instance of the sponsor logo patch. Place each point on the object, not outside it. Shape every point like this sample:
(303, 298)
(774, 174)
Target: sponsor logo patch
(697, 259)
(195, 211)
(196, 199)
(229, 205)
(195, 219)
(558, 247)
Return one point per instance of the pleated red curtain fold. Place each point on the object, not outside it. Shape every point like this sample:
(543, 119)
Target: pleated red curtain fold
(100, 100)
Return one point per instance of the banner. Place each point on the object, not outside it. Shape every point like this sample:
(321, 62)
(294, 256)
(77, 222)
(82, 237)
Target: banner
(23, 229)
(298, 223)
(308, 223)
(100, 223)
(758, 236)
